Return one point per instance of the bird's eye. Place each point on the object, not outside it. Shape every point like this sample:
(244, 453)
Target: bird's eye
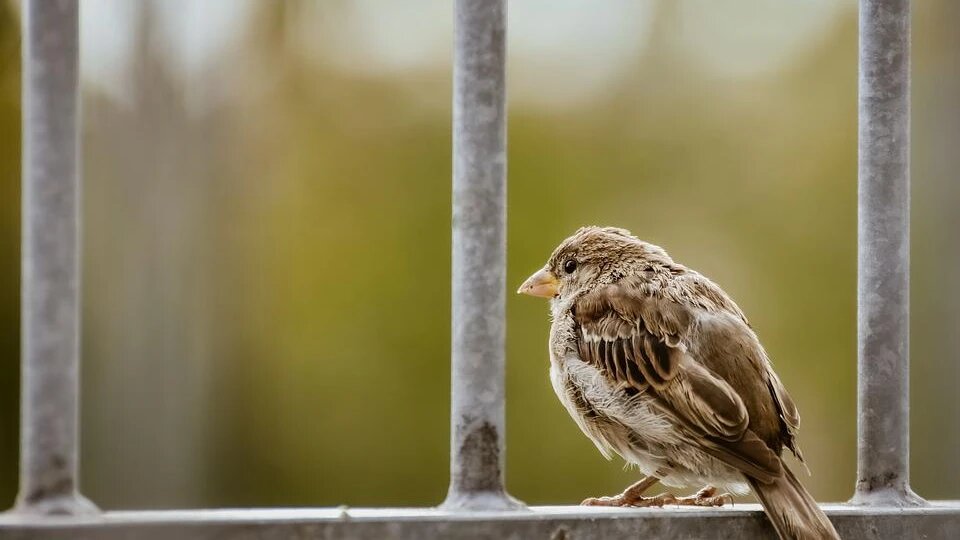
(569, 266)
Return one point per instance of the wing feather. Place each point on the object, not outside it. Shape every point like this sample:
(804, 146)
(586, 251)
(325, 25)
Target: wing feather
(637, 340)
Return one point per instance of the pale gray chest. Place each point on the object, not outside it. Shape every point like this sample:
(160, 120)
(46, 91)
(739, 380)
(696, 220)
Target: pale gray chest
(613, 419)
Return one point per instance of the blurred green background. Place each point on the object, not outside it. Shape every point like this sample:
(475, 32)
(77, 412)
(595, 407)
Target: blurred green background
(267, 232)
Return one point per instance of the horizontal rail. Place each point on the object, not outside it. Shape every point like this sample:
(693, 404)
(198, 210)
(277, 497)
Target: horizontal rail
(937, 521)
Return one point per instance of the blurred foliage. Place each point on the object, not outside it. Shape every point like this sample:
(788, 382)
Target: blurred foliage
(266, 277)
(9, 249)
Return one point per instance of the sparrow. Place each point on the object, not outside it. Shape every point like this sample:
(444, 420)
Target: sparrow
(656, 363)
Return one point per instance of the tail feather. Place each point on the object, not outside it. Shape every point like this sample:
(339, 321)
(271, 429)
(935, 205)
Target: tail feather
(792, 510)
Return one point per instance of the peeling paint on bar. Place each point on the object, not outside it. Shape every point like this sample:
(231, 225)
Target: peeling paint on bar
(479, 257)
(883, 301)
(50, 266)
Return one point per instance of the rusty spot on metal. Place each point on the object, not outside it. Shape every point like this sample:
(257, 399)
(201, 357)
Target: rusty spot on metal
(480, 451)
(886, 480)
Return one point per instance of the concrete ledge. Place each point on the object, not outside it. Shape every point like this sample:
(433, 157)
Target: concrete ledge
(939, 520)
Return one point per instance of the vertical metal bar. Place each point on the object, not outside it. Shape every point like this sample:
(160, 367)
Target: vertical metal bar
(50, 272)
(479, 257)
(883, 317)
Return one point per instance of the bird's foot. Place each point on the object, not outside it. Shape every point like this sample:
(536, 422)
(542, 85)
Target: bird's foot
(635, 501)
(632, 496)
(705, 497)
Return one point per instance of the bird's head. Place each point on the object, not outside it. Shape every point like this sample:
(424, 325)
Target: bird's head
(592, 256)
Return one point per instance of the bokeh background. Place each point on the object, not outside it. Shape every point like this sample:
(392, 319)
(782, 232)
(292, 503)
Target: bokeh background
(267, 231)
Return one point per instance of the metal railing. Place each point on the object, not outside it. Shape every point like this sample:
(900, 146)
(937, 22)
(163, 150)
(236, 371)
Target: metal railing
(479, 257)
(50, 312)
(477, 504)
(883, 248)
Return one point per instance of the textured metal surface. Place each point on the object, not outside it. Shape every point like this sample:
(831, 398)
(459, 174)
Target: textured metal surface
(939, 521)
(479, 257)
(883, 473)
(50, 301)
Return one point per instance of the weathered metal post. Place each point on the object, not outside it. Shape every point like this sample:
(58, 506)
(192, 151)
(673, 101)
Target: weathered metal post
(883, 301)
(479, 258)
(50, 267)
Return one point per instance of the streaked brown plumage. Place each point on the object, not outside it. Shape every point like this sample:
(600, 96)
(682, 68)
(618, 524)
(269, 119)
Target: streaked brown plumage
(656, 363)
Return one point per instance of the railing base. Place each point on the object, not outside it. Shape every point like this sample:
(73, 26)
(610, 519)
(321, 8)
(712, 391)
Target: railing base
(481, 502)
(938, 520)
(66, 505)
(890, 497)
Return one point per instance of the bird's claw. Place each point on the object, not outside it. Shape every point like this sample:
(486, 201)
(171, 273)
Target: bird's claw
(632, 497)
(705, 497)
(633, 502)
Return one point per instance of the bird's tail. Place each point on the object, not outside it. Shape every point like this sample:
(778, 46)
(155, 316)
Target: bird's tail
(792, 510)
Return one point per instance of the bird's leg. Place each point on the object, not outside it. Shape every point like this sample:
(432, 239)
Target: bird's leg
(632, 496)
(707, 496)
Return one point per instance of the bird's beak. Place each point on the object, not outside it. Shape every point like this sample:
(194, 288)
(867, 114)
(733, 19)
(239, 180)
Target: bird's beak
(543, 284)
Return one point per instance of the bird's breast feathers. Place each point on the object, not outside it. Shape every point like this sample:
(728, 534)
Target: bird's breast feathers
(634, 428)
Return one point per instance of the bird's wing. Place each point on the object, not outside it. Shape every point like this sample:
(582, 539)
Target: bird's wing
(726, 345)
(789, 414)
(637, 340)
(788, 410)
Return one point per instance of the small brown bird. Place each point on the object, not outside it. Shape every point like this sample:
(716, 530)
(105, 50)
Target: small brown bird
(656, 363)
